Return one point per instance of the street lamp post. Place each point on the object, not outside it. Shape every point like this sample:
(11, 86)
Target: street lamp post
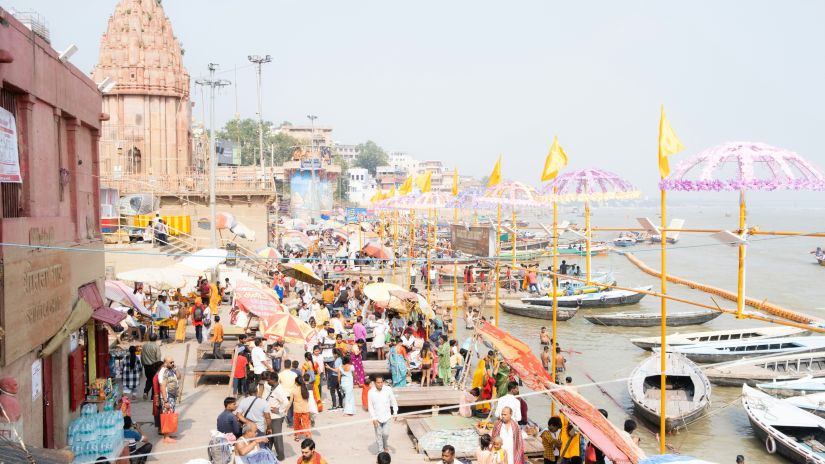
(213, 160)
(258, 61)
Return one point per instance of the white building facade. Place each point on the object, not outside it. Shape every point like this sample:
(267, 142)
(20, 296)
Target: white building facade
(362, 186)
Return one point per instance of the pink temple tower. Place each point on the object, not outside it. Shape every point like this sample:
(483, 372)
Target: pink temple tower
(148, 133)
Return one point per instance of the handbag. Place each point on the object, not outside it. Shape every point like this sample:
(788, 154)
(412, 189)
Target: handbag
(590, 453)
(168, 422)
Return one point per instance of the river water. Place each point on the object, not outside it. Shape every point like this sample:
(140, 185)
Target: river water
(780, 270)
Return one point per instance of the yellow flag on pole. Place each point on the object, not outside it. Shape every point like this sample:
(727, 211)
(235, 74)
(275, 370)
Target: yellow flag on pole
(455, 182)
(556, 160)
(406, 187)
(377, 197)
(391, 193)
(495, 176)
(424, 181)
(669, 144)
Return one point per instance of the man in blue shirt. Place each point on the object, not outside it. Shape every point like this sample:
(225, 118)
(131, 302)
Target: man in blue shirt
(137, 442)
(228, 422)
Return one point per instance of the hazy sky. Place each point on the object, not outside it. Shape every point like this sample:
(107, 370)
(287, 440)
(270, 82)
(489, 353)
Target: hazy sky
(465, 81)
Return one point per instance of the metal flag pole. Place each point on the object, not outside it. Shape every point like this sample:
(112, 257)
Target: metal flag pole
(410, 255)
(553, 341)
(498, 255)
(740, 284)
(589, 238)
(515, 237)
(663, 352)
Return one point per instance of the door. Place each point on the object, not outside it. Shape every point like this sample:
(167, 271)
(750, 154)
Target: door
(48, 403)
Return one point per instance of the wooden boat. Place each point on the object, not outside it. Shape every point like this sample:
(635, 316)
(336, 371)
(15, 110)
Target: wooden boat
(605, 299)
(784, 428)
(821, 260)
(813, 403)
(732, 350)
(624, 241)
(677, 339)
(767, 369)
(580, 249)
(568, 286)
(538, 312)
(785, 388)
(652, 319)
(687, 394)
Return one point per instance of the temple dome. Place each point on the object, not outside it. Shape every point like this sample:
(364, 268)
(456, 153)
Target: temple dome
(140, 52)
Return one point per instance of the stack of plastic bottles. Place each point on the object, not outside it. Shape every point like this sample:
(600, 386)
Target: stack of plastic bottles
(95, 434)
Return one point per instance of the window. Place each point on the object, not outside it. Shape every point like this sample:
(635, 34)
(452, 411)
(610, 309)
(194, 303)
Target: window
(11, 196)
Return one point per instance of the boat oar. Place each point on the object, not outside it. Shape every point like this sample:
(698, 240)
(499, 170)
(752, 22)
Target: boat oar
(616, 402)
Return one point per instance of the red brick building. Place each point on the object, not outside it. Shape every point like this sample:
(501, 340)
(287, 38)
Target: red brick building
(52, 246)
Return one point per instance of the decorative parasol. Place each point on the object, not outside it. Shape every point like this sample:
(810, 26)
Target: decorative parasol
(300, 272)
(742, 166)
(257, 299)
(429, 200)
(512, 195)
(295, 237)
(757, 166)
(286, 327)
(586, 185)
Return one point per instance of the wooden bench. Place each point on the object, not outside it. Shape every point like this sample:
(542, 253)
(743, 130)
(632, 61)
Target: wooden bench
(212, 367)
(204, 350)
(413, 396)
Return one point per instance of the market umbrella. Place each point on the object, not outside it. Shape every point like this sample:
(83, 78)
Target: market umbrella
(286, 327)
(119, 292)
(519, 356)
(380, 291)
(205, 259)
(332, 224)
(738, 167)
(269, 253)
(376, 250)
(156, 277)
(586, 185)
(414, 298)
(300, 272)
(257, 299)
(295, 237)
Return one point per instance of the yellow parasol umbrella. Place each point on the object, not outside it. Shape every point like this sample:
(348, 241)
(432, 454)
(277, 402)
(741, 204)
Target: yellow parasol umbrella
(300, 272)
(285, 327)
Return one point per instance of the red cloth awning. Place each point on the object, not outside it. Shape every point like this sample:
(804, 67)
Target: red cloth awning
(108, 315)
(91, 294)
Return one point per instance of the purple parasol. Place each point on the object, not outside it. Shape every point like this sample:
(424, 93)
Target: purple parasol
(589, 185)
(757, 166)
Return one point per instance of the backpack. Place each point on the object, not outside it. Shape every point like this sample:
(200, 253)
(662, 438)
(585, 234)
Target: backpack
(197, 314)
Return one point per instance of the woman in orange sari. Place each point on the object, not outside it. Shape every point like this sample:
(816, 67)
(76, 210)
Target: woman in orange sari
(480, 381)
(310, 366)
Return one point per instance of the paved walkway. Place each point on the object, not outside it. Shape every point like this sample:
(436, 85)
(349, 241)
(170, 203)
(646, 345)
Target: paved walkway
(341, 439)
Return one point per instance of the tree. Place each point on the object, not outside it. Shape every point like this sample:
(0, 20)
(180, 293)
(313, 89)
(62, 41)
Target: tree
(370, 156)
(244, 133)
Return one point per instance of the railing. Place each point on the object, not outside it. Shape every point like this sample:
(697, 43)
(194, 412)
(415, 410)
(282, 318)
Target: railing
(195, 184)
(250, 262)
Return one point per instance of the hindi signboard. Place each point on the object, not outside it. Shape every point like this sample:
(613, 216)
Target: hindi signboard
(477, 241)
(9, 154)
(311, 164)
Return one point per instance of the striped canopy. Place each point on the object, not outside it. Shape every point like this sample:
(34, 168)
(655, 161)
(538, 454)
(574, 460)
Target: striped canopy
(589, 185)
(742, 166)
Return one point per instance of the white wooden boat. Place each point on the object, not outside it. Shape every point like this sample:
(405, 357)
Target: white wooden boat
(813, 403)
(652, 319)
(784, 428)
(605, 299)
(767, 369)
(785, 388)
(740, 349)
(687, 393)
(690, 338)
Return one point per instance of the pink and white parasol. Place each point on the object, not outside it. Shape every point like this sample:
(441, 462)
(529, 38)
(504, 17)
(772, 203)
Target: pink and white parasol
(511, 194)
(584, 185)
(755, 166)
